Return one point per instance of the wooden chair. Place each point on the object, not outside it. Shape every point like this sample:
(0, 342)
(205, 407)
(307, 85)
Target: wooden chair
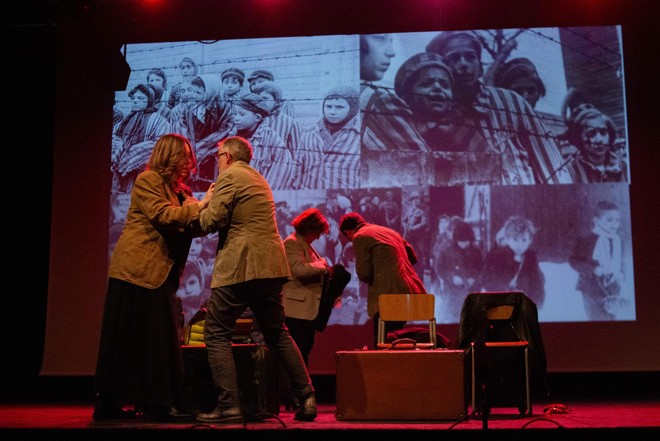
(408, 308)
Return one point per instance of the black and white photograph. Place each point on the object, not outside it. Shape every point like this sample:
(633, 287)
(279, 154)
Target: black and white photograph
(498, 114)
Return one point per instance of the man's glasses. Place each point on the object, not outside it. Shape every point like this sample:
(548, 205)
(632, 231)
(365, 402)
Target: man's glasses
(221, 154)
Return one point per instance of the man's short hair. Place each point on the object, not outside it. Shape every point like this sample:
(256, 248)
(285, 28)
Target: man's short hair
(239, 148)
(350, 221)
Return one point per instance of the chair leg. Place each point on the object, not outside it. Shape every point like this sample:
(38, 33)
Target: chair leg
(485, 413)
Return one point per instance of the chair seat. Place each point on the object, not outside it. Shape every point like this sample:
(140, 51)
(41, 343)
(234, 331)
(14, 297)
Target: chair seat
(506, 344)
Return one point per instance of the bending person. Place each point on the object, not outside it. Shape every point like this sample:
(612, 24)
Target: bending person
(384, 261)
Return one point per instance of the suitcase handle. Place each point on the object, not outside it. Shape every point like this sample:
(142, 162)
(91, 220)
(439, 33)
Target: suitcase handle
(405, 343)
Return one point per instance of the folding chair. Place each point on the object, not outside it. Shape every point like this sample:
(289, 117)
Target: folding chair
(499, 354)
(408, 308)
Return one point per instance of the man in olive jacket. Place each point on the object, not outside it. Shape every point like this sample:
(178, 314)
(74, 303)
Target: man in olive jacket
(249, 271)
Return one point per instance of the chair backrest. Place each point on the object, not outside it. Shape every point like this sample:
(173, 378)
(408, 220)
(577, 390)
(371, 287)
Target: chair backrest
(501, 312)
(406, 308)
(491, 317)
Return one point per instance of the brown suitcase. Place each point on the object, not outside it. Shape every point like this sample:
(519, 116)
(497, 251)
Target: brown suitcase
(401, 385)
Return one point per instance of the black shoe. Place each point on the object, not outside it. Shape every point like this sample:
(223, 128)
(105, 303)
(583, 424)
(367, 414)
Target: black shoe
(222, 415)
(164, 413)
(307, 410)
(291, 403)
(112, 412)
(178, 414)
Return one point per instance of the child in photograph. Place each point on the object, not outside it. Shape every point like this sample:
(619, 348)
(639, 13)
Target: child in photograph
(415, 224)
(598, 258)
(459, 264)
(260, 76)
(133, 138)
(193, 291)
(157, 78)
(204, 127)
(512, 265)
(591, 135)
(289, 130)
(188, 70)
(335, 136)
(271, 157)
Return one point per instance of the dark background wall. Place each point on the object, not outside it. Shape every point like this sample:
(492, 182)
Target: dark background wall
(56, 117)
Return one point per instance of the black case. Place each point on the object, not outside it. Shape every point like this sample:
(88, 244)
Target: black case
(256, 369)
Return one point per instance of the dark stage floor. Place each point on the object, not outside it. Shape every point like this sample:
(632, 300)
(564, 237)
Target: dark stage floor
(607, 414)
(50, 419)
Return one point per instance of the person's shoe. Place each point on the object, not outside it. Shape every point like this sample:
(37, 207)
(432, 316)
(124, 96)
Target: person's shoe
(178, 414)
(307, 410)
(222, 415)
(112, 412)
(163, 413)
(291, 403)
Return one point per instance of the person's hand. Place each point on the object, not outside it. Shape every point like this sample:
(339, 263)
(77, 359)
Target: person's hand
(207, 197)
(209, 192)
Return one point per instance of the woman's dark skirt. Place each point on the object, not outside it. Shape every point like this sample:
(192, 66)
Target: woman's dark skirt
(139, 359)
